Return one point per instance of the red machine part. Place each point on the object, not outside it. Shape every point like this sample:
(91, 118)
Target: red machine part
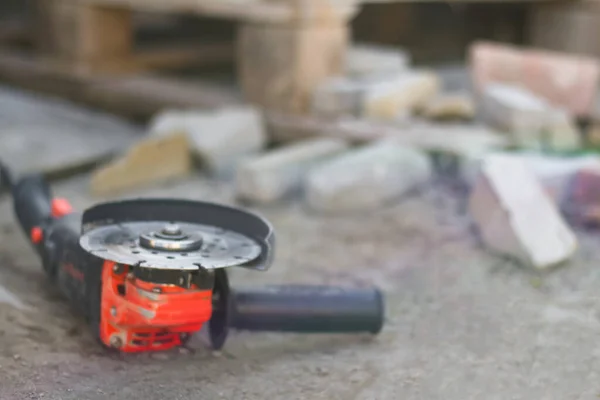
(60, 208)
(137, 316)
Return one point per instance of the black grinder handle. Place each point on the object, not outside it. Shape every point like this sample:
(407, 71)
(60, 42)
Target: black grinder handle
(31, 195)
(307, 309)
(32, 202)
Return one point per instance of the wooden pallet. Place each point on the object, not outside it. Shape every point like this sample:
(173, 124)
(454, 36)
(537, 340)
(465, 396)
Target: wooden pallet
(141, 96)
(86, 50)
(282, 50)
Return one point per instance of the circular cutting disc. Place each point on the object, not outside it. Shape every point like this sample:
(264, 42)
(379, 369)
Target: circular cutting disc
(170, 245)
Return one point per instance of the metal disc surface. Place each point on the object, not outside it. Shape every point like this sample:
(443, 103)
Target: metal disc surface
(170, 245)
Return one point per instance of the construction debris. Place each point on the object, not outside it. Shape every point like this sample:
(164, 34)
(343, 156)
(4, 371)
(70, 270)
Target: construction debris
(272, 176)
(366, 178)
(581, 201)
(516, 217)
(449, 106)
(151, 161)
(338, 96)
(566, 81)
(530, 121)
(554, 173)
(219, 139)
(561, 133)
(404, 95)
(48, 127)
(592, 136)
(461, 141)
(368, 60)
(452, 146)
(385, 97)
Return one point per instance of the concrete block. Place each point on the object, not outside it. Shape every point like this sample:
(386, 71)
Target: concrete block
(385, 97)
(400, 96)
(273, 175)
(453, 146)
(516, 217)
(363, 60)
(150, 161)
(339, 96)
(450, 106)
(514, 109)
(366, 178)
(219, 138)
(530, 121)
(566, 81)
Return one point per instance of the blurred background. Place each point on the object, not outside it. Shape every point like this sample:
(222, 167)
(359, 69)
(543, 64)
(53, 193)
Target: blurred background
(446, 152)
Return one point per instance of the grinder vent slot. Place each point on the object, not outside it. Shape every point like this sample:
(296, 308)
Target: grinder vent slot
(154, 340)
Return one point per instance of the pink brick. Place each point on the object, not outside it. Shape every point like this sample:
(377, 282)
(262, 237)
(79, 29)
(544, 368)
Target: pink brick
(565, 80)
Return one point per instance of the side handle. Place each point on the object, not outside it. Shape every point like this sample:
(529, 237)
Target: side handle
(308, 309)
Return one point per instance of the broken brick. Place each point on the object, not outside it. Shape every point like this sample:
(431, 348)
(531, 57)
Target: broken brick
(151, 161)
(516, 217)
(566, 81)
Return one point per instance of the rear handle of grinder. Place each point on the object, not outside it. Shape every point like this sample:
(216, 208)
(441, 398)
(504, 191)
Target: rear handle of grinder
(307, 309)
(31, 195)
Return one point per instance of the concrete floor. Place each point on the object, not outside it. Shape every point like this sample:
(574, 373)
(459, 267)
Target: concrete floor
(461, 323)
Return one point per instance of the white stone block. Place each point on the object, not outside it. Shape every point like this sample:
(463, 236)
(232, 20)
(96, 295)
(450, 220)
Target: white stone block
(273, 175)
(366, 178)
(218, 138)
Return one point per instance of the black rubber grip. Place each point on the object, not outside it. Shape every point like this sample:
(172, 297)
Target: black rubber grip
(32, 202)
(308, 309)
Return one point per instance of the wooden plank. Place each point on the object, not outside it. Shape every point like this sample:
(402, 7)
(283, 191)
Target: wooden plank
(207, 54)
(83, 34)
(579, 24)
(280, 66)
(188, 55)
(143, 96)
(461, 1)
(138, 96)
(47, 77)
(14, 31)
(279, 12)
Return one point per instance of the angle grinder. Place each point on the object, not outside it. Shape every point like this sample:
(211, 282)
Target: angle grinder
(148, 273)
